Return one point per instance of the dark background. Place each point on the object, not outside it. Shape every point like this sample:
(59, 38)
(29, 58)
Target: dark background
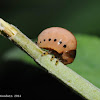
(31, 17)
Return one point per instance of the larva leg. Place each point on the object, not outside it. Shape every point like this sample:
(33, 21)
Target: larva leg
(57, 62)
(52, 58)
(45, 53)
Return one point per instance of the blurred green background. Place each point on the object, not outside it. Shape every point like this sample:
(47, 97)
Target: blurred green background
(81, 17)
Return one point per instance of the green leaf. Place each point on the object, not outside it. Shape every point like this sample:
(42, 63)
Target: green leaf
(86, 62)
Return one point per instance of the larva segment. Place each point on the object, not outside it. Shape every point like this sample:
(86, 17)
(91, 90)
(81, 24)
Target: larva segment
(59, 40)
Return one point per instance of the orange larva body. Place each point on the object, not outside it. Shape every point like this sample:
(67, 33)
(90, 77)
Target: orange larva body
(59, 40)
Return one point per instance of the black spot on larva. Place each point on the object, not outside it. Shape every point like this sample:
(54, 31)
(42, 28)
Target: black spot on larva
(64, 46)
(44, 39)
(40, 41)
(49, 39)
(55, 40)
(60, 42)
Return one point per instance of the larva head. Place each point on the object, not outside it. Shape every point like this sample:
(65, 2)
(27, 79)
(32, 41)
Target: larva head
(60, 40)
